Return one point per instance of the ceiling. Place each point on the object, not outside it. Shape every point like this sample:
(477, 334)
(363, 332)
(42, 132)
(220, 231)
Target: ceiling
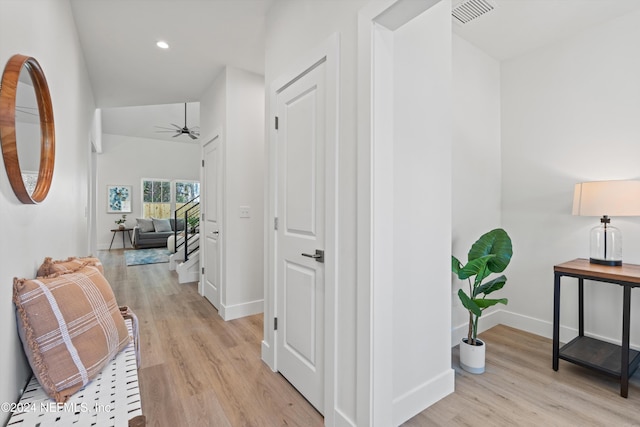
(518, 26)
(118, 39)
(126, 68)
(151, 121)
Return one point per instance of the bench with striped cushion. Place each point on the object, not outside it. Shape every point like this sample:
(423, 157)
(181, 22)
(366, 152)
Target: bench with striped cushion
(112, 399)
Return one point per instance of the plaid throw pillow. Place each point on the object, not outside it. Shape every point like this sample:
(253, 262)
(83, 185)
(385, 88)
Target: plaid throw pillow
(69, 265)
(70, 327)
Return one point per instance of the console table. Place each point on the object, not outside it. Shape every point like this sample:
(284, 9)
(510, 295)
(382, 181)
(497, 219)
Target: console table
(614, 360)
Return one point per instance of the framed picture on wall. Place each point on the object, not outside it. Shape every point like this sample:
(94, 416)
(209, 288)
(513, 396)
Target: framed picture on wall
(118, 199)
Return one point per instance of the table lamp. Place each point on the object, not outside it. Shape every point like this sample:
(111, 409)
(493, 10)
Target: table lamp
(606, 199)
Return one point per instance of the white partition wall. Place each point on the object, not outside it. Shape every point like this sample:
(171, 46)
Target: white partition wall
(233, 106)
(404, 200)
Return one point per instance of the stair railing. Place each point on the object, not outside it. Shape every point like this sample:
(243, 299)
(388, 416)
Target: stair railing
(190, 214)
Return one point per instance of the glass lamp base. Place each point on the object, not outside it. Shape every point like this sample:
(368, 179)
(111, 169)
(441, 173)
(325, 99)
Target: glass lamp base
(605, 261)
(606, 245)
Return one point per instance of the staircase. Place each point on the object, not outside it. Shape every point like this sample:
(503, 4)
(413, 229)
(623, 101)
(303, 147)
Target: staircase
(186, 260)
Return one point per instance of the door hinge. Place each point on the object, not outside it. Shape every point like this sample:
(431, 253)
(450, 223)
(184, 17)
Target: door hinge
(275, 223)
(275, 323)
(202, 270)
(276, 122)
(202, 163)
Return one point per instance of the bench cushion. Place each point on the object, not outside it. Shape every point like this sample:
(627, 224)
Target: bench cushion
(70, 327)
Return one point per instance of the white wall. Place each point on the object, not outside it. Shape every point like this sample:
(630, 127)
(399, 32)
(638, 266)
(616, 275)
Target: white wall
(234, 104)
(126, 160)
(244, 155)
(57, 227)
(476, 169)
(569, 114)
(422, 144)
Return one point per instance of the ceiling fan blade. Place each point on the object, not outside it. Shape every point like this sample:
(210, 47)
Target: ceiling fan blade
(179, 127)
(165, 128)
(177, 134)
(192, 135)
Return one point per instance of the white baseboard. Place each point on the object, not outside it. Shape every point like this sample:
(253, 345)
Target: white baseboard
(230, 312)
(268, 356)
(341, 420)
(423, 396)
(117, 243)
(545, 329)
(514, 320)
(487, 321)
(535, 326)
(529, 324)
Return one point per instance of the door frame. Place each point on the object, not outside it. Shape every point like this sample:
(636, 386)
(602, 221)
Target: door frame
(328, 51)
(203, 211)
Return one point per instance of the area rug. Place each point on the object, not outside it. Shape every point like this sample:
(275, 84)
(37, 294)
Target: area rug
(146, 256)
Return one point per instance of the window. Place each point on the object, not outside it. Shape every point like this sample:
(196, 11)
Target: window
(156, 198)
(186, 191)
(161, 197)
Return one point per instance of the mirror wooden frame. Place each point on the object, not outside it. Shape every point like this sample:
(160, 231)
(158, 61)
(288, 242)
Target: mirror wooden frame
(8, 90)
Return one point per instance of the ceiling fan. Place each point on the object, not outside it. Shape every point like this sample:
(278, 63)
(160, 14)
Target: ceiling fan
(194, 132)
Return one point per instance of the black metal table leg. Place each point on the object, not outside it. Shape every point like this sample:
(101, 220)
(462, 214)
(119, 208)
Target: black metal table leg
(556, 320)
(581, 307)
(624, 363)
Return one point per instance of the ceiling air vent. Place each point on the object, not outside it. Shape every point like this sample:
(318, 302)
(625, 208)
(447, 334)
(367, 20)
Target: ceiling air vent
(469, 10)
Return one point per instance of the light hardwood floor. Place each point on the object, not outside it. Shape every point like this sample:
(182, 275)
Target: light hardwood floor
(198, 370)
(519, 388)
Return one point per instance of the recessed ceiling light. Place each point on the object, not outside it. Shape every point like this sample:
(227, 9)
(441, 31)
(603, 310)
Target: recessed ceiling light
(162, 45)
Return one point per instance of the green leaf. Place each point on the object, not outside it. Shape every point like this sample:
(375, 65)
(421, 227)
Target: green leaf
(468, 303)
(455, 265)
(496, 242)
(475, 267)
(484, 303)
(491, 286)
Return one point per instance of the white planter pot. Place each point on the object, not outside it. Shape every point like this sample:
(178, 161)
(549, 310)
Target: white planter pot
(472, 356)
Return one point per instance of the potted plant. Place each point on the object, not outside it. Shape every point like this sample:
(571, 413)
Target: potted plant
(121, 222)
(491, 253)
(193, 222)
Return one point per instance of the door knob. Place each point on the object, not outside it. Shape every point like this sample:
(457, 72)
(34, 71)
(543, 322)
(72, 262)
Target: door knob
(318, 256)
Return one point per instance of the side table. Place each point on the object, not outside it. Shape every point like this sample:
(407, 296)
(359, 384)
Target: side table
(116, 230)
(617, 361)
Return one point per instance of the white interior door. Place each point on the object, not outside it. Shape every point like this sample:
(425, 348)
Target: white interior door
(301, 230)
(212, 198)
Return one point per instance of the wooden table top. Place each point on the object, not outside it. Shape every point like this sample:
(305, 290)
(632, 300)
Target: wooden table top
(581, 266)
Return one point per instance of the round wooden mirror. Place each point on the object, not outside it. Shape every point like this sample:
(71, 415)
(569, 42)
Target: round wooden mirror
(26, 116)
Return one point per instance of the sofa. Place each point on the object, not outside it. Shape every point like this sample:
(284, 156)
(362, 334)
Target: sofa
(153, 232)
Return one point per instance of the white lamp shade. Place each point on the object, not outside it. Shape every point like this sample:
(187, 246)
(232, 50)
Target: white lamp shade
(612, 198)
